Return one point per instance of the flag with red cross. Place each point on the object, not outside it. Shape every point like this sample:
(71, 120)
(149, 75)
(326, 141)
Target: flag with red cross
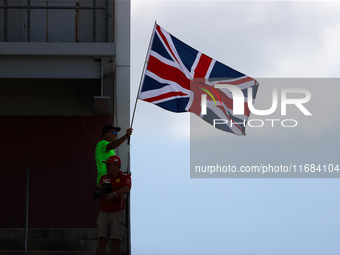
(179, 78)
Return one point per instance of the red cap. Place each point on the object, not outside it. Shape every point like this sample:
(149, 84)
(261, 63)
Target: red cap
(113, 160)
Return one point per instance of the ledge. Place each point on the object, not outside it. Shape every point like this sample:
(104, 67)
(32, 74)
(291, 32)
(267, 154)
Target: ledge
(57, 49)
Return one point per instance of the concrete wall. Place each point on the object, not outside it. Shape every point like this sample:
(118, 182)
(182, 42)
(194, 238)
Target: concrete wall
(60, 154)
(122, 77)
(48, 99)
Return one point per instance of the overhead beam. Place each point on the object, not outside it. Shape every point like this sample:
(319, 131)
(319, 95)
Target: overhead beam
(57, 49)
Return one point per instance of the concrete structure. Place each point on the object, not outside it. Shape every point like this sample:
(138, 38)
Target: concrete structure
(58, 241)
(64, 74)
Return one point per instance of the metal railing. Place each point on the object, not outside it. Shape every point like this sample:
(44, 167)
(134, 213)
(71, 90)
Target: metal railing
(29, 7)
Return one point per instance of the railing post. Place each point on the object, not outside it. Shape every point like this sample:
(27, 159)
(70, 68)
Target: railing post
(26, 209)
(28, 20)
(94, 20)
(5, 22)
(107, 24)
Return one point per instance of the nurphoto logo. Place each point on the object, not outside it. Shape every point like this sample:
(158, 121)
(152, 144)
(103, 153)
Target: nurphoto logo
(239, 103)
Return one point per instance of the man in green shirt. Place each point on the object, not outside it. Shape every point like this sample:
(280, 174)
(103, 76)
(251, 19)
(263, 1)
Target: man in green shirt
(105, 148)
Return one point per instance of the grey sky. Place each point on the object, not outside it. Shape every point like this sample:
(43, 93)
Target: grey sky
(175, 214)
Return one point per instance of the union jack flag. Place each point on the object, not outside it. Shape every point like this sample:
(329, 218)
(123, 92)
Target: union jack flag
(176, 77)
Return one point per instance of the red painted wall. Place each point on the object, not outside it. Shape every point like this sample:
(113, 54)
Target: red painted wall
(60, 156)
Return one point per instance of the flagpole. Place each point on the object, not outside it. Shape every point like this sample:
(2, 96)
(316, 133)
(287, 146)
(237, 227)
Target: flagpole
(141, 79)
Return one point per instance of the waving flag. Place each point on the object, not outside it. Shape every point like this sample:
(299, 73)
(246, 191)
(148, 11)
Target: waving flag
(176, 77)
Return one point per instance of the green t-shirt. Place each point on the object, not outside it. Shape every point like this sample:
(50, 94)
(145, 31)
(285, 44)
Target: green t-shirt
(102, 155)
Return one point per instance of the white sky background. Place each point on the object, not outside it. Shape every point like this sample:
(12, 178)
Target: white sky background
(173, 214)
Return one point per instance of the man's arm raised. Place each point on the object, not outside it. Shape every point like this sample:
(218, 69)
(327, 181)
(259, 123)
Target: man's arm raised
(113, 145)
